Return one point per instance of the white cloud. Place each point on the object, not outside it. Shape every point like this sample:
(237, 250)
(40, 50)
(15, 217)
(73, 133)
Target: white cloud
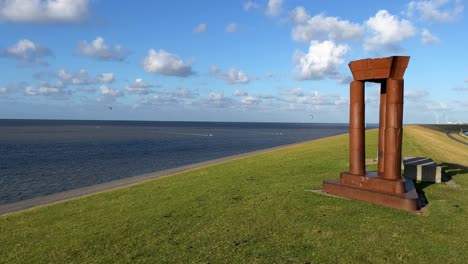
(313, 101)
(422, 104)
(232, 76)
(444, 11)
(88, 89)
(98, 49)
(269, 75)
(236, 76)
(322, 60)
(14, 87)
(437, 106)
(320, 27)
(47, 89)
(274, 7)
(299, 15)
(27, 52)
(165, 63)
(240, 93)
(314, 98)
(200, 28)
(31, 91)
(460, 89)
(3, 90)
(217, 100)
(159, 99)
(180, 93)
(232, 27)
(80, 77)
(295, 91)
(344, 79)
(45, 11)
(416, 95)
(139, 87)
(463, 103)
(105, 77)
(340, 100)
(216, 96)
(428, 38)
(265, 96)
(387, 31)
(108, 91)
(250, 100)
(214, 70)
(250, 5)
(372, 95)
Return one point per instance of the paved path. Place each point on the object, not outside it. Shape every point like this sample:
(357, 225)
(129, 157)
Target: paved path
(57, 197)
(449, 134)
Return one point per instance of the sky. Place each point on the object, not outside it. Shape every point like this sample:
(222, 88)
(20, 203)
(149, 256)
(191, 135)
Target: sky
(247, 60)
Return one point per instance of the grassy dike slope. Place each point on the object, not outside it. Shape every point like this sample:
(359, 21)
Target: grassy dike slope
(251, 210)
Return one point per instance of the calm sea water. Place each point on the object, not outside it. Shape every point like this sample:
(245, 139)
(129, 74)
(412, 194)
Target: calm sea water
(41, 157)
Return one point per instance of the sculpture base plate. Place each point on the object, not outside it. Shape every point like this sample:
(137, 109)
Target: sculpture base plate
(374, 181)
(372, 192)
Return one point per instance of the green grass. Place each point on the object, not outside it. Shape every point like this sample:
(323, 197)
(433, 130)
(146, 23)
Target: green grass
(250, 210)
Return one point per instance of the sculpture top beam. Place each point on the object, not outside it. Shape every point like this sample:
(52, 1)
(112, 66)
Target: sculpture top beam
(376, 70)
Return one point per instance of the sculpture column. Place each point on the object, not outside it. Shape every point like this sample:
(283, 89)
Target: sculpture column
(393, 129)
(382, 115)
(356, 129)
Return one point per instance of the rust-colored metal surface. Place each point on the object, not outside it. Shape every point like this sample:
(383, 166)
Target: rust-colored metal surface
(393, 129)
(382, 118)
(373, 180)
(404, 201)
(357, 157)
(385, 186)
(381, 68)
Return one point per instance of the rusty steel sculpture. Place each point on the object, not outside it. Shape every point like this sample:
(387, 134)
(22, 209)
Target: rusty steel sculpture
(384, 186)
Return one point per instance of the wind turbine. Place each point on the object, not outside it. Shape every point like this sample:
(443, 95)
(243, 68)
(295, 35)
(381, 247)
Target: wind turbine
(436, 116)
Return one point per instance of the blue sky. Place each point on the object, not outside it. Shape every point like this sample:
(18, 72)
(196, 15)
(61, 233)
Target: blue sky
(257, 61)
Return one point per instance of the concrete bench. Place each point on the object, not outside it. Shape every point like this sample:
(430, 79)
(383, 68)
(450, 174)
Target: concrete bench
(422, 169)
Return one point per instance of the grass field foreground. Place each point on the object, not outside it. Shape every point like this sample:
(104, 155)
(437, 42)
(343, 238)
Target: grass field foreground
(252, 210)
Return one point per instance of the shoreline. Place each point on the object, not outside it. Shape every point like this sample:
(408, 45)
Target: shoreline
(46, 200)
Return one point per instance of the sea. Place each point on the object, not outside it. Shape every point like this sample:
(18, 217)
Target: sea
(42, 157)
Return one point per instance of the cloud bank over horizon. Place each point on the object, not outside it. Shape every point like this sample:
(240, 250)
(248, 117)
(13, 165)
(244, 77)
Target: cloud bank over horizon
(264, 60)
